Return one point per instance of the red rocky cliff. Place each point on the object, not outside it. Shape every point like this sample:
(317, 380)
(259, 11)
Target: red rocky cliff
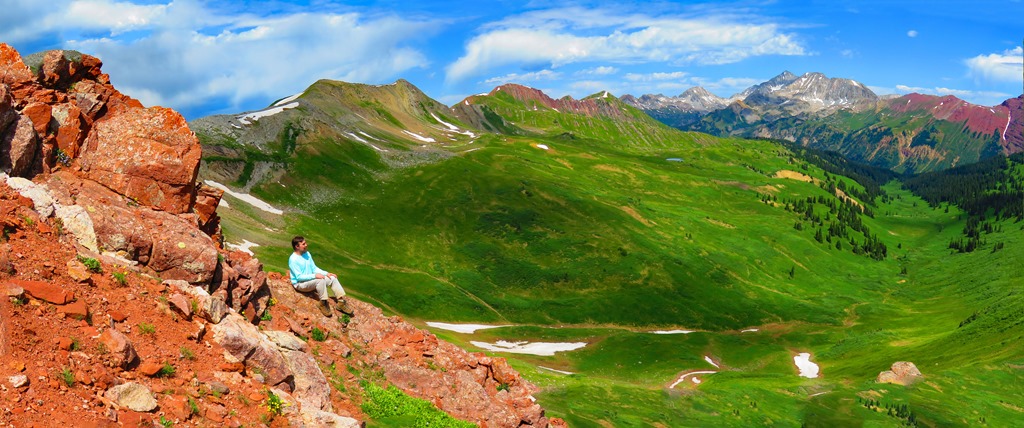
(134, 167)
(88, 171)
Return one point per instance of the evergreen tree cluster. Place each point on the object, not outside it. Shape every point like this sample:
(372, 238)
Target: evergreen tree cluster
(898, 411)
(836, 223)
(975, 226)
(990, 189)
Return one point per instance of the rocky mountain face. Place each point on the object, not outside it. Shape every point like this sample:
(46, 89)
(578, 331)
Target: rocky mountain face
(812, 93)
(911, 133)
(680, 110)
(121, 307)
(397, 121)
(784, 95)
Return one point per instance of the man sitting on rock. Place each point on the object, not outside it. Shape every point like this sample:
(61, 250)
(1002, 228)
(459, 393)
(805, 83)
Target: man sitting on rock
(307, 277)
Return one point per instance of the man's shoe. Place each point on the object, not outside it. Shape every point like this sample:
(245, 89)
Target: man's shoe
(324, 308)
(343, 307)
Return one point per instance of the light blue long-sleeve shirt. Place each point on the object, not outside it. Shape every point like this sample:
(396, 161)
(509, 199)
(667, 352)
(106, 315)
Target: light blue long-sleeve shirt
(302, 268)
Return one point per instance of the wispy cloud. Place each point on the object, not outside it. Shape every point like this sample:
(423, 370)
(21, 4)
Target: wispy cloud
(187, 54)
(524, 77)
(557, 37)
(1006, 67)
(912, 33)
(648, 77)
(597, 71)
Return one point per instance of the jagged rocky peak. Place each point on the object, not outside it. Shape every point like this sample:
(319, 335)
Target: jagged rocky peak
(695, 99)
(769, 86)
(702, 100)
(810, 92)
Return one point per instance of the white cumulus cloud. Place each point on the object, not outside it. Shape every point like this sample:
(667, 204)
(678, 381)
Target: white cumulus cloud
(188, 54)
(1007, 66)
(558, 37)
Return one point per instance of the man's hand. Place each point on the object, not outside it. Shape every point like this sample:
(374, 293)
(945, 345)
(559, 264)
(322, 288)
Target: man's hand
(320, 276)
(331, 275)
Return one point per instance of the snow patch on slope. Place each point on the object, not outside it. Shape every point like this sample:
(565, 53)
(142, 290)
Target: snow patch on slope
(248, 118)
(245, 197)
(537, 348)
(418, 136)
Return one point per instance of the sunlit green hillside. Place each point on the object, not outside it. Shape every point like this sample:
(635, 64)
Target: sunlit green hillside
(600, 225)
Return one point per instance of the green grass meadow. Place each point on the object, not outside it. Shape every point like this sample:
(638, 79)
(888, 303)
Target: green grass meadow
(590, 238)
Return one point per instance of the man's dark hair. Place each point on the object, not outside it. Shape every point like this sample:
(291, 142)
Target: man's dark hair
(296, 241)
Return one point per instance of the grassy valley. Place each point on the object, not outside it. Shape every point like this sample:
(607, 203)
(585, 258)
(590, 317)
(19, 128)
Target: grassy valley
(598, 224)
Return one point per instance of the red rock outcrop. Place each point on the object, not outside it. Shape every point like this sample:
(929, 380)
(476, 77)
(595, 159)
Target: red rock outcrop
(116, 182)
(470, 386)
(167, 244)
(14, 73)
(148, 155)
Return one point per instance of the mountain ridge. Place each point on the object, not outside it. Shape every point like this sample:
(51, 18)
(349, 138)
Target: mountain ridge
(908, 133)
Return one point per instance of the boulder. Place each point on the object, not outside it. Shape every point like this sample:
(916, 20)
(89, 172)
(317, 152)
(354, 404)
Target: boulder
(150, 368)
(40, 196)
(901, 373)
(161, 241)
(122, 353)
(44, 291)
(76, 220)
(70, 128)
(311, 386)
(60, 69)
(116, 225)
(78, 310)
(181, 304)
(243, 341)
(18, 147)
(133, 396)
(286, 340)
(149, 155)
(97, 99)
(211, 308)
(180, 251)
(18, 381)
(14, 73)
(40, 114)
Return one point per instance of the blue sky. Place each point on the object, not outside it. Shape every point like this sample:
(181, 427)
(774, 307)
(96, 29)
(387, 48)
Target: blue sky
(216, 56)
